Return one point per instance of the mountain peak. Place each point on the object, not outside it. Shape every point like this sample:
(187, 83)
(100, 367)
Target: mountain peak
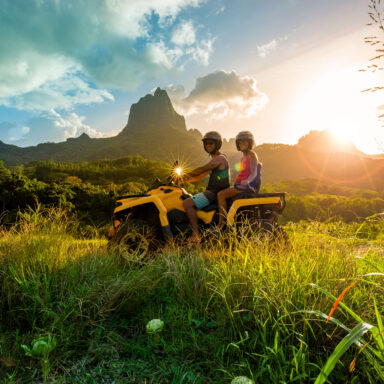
(84, 136)
(154, 114)
(160, 92)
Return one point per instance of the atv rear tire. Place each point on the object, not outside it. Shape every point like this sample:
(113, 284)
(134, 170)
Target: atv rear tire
(264, 230)
(135, 237)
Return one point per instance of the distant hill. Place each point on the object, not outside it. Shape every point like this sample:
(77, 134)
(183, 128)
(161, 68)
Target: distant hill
(345, 169)
(156, 131)
(321, 156)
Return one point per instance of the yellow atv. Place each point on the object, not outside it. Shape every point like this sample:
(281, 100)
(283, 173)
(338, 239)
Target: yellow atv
(144, 222)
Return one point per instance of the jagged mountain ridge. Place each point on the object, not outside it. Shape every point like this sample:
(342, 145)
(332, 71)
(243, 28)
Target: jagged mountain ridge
(156, 131)
(155, 113)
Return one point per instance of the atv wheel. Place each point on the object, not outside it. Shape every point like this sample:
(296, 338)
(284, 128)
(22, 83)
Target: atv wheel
(135, 237)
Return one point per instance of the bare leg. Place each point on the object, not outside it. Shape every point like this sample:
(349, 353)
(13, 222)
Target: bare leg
(221, 200)
(190, 210)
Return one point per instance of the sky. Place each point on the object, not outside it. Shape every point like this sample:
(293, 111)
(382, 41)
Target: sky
(279, 68)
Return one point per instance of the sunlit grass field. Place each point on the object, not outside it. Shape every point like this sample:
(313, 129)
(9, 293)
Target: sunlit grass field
(230, 308)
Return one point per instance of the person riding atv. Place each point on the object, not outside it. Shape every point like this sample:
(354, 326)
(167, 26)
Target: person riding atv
(218, 170)
(246, 181)
(143, 223)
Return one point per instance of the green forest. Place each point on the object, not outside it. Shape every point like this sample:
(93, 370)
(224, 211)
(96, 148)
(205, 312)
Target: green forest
(88, 190)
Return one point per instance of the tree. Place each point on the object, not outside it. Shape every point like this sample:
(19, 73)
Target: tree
(376, 12)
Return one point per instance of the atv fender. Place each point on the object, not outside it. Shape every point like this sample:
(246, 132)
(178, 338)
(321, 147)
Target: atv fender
(158, 204)
(251, 201)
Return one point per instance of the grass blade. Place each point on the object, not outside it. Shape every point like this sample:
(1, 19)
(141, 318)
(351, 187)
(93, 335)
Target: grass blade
(325, 316)
(380, 338)
(339, 299)
(371, 263)
(341, 348)
(342, 305)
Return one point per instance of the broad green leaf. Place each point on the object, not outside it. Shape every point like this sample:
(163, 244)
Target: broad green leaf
(341, 348)
(369, 352)
(379, 337)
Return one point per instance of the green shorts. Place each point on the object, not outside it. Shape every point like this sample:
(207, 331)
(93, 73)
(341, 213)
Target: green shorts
(200, 200)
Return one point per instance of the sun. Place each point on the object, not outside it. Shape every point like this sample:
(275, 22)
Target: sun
(340, 132)
(343, 133)
(332, 101)
(340, 139)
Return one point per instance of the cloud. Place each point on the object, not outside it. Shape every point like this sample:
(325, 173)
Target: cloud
(11, 132)
(130, 17)
(269, 47)
(175, 92)
(42, 92)
(184, 34)
(49, 126)
(202, 52)
(220, 94)
(163, 56)
(113, 44)
(72, 125)
(29, 71)
(220, 10)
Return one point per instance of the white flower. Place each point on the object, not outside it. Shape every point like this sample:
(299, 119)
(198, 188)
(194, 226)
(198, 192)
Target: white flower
(242, 380)
(154, 326)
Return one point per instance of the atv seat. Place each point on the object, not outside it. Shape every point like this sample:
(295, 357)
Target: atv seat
(244, 195)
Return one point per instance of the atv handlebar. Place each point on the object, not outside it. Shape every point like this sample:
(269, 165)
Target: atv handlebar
(158, 183)
(173, 180)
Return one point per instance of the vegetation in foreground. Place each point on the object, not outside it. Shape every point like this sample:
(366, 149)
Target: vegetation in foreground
(248, 309)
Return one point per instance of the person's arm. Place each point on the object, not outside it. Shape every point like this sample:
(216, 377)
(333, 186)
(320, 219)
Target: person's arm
(253, 166)
(192, 179)
(200, 172)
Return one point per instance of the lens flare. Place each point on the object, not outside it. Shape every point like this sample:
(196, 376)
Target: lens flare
(178, 169)
(177, 172)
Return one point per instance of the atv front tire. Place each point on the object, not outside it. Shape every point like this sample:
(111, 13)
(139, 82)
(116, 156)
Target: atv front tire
(135, 237)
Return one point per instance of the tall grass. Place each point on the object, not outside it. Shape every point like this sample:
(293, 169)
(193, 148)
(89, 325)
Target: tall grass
(231, 308)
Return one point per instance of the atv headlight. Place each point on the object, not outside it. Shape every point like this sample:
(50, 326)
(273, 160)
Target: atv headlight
(178, 171)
